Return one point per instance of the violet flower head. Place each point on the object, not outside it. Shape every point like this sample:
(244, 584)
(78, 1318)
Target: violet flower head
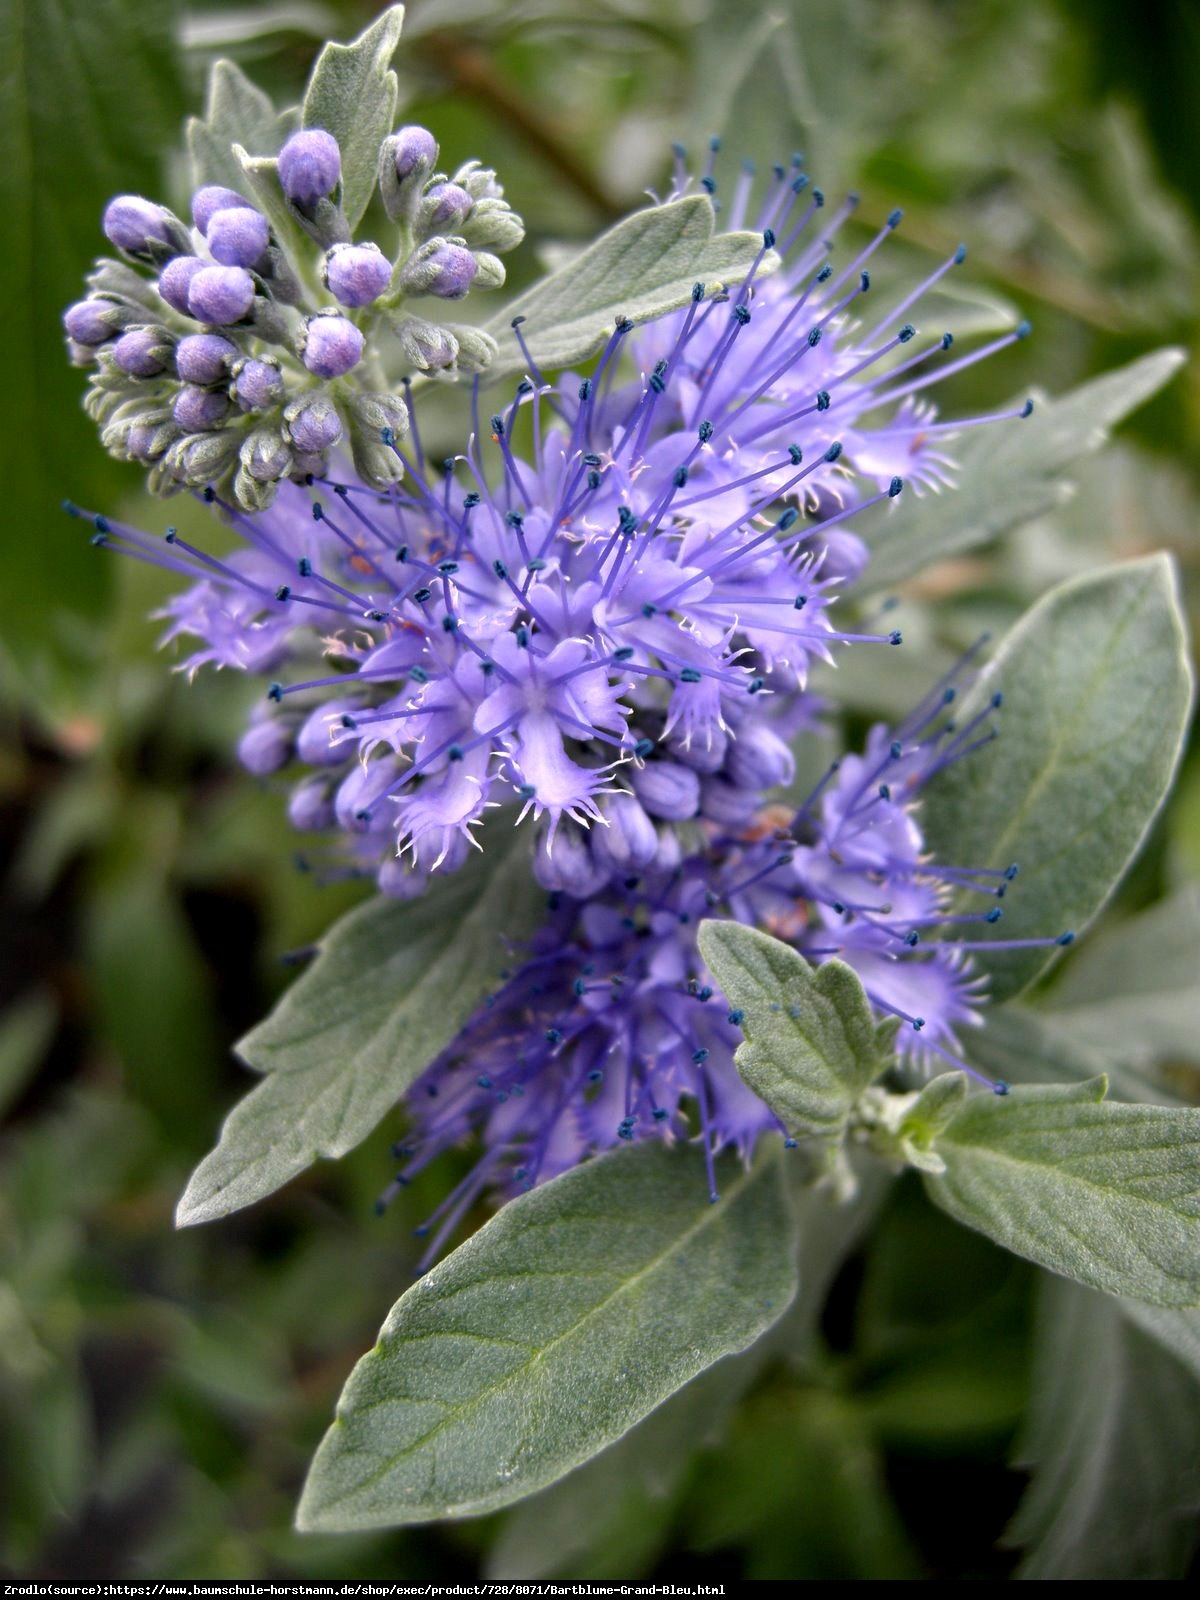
(604, 625)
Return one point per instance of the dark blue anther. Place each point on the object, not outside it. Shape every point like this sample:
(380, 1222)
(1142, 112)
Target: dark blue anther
(735, 1017)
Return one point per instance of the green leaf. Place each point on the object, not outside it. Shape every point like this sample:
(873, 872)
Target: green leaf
(811, 1046)
(800, 1488)
(1113, 1436)
(1176, 1330)
(90, 98)
(1104, 1193)
(626, 1497)
(641, 268)
(1135, 991)
(566, 1319)
(391, 986)
(1097, 690)
(1011, 472)
(1027, 1045)
(236, 112)
(352, 95)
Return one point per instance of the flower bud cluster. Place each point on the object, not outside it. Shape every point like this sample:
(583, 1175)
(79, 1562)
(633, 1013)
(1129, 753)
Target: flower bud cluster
(238, 352)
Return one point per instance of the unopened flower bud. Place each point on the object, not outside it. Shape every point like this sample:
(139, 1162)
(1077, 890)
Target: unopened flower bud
(143, 352)
(221, 295)
(92, 322)
(212, 198)
(310, 805)
(317, 743)
(238, 236)
(568, 865)
(265, 746)
(400, 881)
(204, 358)
(493, 225)
(256, 384)
(702, 755)
(310, 166)
(196, 410)
(412, 145)
(199, 458)
(668, 790)
(175, 280)
(356, 274)
(759, 759)
(489, 270)
(265, 455)
(726, 804)
(332, 345)
(131, 223)
(476, 349)
(440, 268)
(313, 423)
(630, 842)
(427, 346)
(444, 208)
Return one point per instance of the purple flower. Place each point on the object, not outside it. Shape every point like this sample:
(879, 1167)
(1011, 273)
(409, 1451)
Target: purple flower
(142, 352)
(175, 281)
(220, 295)
(91, 322)
(238, 236)
(196, 409)
(439, 268)
(204, 358)
(208, 201)
(411, 147)
(332, 345)
(310, 166)
(133, 224)
(256, 384)
(356, 274)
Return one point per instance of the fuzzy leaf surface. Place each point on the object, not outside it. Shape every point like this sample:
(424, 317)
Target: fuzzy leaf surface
(1104, 1193)
(1097, 691)
(811, 1046)
(236, 111)
(352, 95)
(1113, 1436)
(390, 987)
(641, 268)
(1011, 472)
(572, 1314)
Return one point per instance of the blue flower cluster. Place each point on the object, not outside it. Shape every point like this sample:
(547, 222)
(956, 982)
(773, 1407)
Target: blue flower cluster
(605, 623)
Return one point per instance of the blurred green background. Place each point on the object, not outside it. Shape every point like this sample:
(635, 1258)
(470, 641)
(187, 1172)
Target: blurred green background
(160, 1393)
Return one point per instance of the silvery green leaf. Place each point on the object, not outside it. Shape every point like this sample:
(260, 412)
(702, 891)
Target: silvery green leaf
(1113, 1437)
(1134, 993)
(642, 267)
(261, 175)
(1177, 1330)
(564, 1321)
(352, 95)
(391, 985)
(236, 111)
(1097, 690)
(625, 1497)
(1098, 1191)
(1009, 472)
(810, 1047)
(1026, 1044)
